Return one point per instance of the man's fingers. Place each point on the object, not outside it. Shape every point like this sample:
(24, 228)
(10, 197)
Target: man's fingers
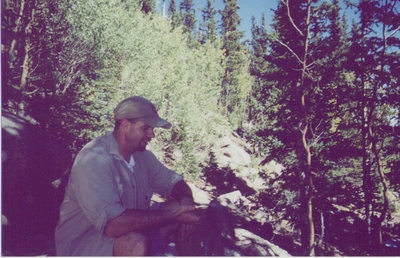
(187, 215)
(186, 208)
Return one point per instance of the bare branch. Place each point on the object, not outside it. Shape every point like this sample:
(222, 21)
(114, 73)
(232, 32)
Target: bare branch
(32, 92)
(288, 48)
(394, 32)
(290, 17)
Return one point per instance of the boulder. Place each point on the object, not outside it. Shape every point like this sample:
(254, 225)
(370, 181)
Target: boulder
(229, 153)
(253, 245)
(229, 199)
(199, 196)
(32, 162)
(232, 156)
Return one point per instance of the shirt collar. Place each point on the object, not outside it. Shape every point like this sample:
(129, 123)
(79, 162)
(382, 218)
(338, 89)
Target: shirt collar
(131, 163)
(115, 151)
(113, 146)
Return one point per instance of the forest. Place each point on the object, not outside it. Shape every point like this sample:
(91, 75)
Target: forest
(313, 91)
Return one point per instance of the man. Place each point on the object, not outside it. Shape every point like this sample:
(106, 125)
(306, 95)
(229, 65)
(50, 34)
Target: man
(106, 208)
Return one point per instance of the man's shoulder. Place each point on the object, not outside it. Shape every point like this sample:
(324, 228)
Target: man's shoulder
(100, 146)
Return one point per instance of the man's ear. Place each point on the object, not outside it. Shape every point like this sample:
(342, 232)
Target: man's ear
(125, 124)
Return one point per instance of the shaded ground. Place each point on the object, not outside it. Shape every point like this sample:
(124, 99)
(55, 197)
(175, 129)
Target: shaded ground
(33, 245)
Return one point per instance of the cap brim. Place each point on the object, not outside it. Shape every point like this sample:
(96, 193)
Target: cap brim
(156, 122)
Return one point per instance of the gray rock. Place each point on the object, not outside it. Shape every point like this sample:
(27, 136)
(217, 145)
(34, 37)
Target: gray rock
(199, 196)
(230, 154)
(32, 162)
(253, 245)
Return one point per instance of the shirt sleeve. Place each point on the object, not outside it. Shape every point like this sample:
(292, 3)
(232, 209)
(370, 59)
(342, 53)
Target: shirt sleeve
(161, 178)
(96, 188)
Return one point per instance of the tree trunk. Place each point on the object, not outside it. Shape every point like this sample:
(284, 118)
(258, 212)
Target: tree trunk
(377, 155)
(385, 193)
(366, 168)
(305, 145)
(17, 29)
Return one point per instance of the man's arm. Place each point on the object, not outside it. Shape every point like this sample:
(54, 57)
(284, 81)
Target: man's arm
(138, 220)
(144, 220)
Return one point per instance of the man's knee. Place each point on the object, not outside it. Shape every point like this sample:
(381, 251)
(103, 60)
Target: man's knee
(132, 244)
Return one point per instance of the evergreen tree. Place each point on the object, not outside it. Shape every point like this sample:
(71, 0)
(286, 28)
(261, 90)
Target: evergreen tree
(147, 6)
(188, 15)
(258, 69)
(174, 15)
(300, 81)
(374, 59)
(235, 85)
(208, 27)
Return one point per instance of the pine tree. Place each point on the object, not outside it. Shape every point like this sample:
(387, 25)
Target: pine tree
(234, 92)
(188, 15)
(258, 69)
(208, 27)
(374, 59)
(147, 6)
(174, 15)
(299, 95)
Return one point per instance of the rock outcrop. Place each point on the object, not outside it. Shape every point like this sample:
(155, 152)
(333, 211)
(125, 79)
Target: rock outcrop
(33, 165)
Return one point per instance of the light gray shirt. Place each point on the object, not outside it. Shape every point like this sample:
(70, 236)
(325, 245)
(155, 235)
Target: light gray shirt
(100, 188)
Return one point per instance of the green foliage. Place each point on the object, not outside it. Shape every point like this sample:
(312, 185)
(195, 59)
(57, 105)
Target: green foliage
(118, 51)
(208, 26)
(276, 67)
(236, 83)
(345, 102)
(142, 56)
(173, 15)
(46, 61)
(70, 63)
(297, 69)
(147, 6)
(372, 58)
(188, 15)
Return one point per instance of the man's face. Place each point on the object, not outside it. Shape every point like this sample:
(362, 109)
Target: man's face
(138, 135)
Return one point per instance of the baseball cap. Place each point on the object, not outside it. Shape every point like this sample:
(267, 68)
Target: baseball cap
(142, 109)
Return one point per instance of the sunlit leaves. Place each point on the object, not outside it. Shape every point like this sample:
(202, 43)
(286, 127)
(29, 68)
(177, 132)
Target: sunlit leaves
(141, 55)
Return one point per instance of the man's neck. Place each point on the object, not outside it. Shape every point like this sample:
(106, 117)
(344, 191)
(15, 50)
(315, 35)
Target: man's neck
(125, 152)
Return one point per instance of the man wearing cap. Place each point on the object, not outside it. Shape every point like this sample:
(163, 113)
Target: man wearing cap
(106, 209)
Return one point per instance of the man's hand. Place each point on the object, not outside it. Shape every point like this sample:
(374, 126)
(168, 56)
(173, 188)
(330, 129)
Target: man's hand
(186, 201)
(185, 214)
(188, 219)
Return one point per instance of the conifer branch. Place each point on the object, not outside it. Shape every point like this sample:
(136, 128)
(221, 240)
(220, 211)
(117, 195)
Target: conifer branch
(290, 17)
